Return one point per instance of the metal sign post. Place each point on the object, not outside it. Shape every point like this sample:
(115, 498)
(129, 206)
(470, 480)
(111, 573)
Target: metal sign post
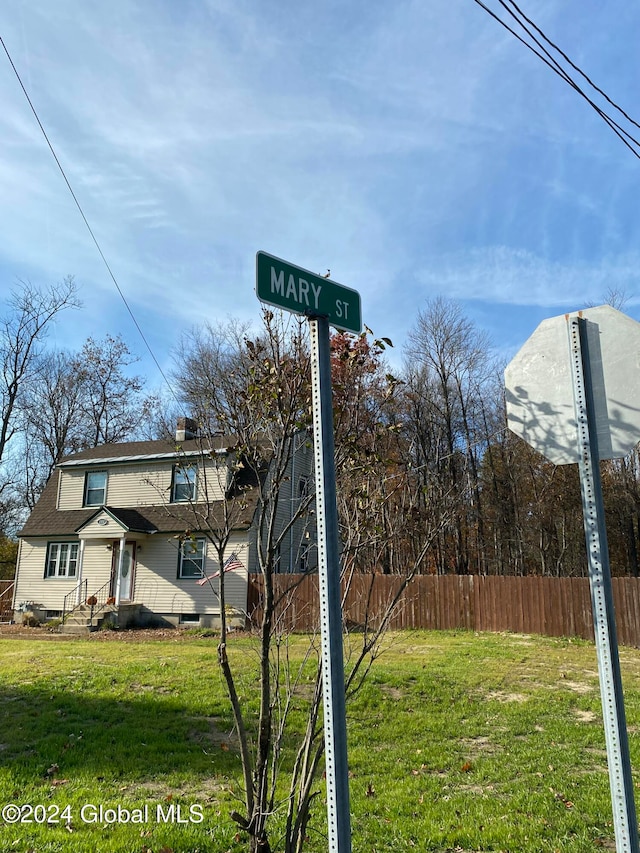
(584, 409)
(324, 302)
(622, 799)
(335, 728)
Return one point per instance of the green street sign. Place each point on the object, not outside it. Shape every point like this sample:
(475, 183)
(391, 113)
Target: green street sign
(295, 289)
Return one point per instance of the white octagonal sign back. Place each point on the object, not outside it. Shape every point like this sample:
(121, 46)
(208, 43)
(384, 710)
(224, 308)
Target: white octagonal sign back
(539, 386)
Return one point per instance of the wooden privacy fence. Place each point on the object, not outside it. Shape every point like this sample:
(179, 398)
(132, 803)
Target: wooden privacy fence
(557, 607)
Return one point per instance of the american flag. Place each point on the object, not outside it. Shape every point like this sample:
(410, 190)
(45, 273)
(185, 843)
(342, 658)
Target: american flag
(230, 564)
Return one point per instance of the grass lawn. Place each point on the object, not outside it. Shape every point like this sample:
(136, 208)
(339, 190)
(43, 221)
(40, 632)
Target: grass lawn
(457, 742)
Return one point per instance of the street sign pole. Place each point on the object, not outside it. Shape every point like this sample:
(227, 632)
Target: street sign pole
(324, 303)
(619, 762)
(335, 729)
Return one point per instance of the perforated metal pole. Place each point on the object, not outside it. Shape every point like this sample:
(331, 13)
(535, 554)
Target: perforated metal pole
(615, 726)
(335, 727)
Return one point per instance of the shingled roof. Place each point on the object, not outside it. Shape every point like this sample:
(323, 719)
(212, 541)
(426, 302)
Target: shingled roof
(145, 449)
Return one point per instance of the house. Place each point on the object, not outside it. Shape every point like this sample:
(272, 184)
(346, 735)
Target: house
(120, 529)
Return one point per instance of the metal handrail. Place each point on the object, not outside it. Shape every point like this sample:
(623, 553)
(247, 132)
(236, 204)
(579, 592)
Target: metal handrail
(73, 596)
(98, 599)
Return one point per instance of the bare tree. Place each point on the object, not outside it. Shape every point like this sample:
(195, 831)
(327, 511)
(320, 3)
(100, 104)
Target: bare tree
(74, 401)
(112, 402)
(30, 312)
(447, 369)
(22, 331)
(258, 389)
(51, 415)
(214, 371)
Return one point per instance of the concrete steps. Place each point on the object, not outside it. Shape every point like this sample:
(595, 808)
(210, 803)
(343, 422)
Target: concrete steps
(83, 621)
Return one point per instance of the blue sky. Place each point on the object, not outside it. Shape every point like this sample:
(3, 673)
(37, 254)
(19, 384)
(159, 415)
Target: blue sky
(414, 148)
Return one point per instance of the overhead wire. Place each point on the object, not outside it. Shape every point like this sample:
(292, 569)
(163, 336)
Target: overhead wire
(557, 67)
(574, 66)
(545, 56)
(88, 226)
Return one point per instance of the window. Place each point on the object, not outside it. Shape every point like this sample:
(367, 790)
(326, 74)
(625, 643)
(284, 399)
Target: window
(191, 562)
(303, 488)
(183, 486)
(95, 488)
(62, 560)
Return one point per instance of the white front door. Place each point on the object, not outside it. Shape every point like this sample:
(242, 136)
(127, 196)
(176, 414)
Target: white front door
(126, 567)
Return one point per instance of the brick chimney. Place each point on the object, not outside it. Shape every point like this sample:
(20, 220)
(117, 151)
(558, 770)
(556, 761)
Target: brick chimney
(186, 429)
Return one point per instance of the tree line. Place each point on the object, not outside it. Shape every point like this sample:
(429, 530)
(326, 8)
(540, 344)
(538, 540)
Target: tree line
(421, 450)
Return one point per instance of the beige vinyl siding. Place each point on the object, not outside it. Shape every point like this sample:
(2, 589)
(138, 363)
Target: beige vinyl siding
(157, 586)
(133, 485)
(96, 565)
(108, 532)
(213, 479)
(32, 585)
(49, 593)
(70, 490)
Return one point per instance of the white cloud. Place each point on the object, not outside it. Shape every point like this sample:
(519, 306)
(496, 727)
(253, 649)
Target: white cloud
(412, 148)
(518, 277)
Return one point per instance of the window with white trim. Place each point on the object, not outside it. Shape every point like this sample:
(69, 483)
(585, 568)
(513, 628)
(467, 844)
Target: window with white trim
(95, 488)
(62, 560)
(191, 559)
(183, 484)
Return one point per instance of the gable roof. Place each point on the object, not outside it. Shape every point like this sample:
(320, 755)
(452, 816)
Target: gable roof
(130, 520)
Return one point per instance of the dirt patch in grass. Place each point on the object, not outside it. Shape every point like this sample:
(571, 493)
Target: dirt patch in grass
(475, 746)
(212, 734)
(394, 693)
(578, 687)
(205, 789)
(585, 716)
(481, 790)
(503, 696)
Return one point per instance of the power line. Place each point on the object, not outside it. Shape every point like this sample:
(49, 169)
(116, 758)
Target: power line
(574, 66)
(557, 67)
(86, 222)
(545, 56)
